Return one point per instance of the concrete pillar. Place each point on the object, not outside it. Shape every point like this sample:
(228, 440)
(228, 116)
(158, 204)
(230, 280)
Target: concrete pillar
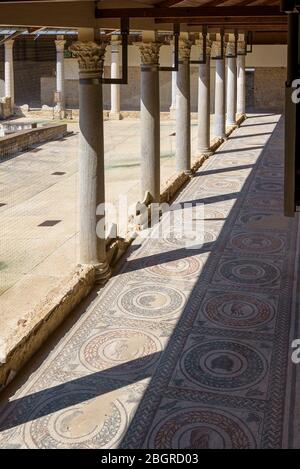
(150, 121)
(183, 107)
(203, 142)
(241, 86)
(115, 111)
(9, 71)
(91, 157)
(219, 120)
(231, 84)
(174, 86)
(60, 72)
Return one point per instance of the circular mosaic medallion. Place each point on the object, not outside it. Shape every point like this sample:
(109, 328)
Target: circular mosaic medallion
(133, 349)
(195, 428)
(178, 238)
(249, 272)
(257, 243)
(214, 214)
(95, 422)
(221, 365)
(179, 268)
(237, 310)
(253, 217)
(265, 202)
(222, 183)
(267, 186)
(270, 173)
(151, 301)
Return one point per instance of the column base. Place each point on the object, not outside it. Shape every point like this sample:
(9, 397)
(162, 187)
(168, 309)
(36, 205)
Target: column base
(204, 151)
(115, 116)
(102, 273)
(172, 113)
(230, 123)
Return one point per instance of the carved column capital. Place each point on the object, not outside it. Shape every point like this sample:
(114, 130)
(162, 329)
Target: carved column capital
(60, 45)
(216, 50)
(90, 58)
(149, 53)
(9, 43)
(230, 49)
(115, 43)
(184, 49)
(199, 43)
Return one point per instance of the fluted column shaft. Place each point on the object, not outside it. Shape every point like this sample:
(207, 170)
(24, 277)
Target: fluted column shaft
(60, 72)
(150, 120)
(241, 86)
(115, 73)
(183, 108)
(231, 90)
(91, 157)
(203, 143)
(9, 70)
(220, 129)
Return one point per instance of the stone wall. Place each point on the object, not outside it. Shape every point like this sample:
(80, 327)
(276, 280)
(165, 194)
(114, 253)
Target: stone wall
(269, 88)
(24, 139)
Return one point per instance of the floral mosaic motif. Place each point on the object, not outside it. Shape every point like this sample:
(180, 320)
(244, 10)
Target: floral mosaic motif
(220, 365)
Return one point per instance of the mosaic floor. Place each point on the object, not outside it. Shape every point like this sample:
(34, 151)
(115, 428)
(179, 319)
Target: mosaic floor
(188, 346)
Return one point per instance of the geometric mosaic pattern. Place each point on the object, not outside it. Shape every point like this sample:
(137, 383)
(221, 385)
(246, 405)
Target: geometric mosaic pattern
(184, 348)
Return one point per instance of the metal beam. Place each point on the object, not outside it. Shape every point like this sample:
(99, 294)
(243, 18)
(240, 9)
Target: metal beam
(189, 12)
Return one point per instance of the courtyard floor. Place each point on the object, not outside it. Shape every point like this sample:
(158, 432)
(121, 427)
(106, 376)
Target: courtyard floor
(185, 347)
(39, 216)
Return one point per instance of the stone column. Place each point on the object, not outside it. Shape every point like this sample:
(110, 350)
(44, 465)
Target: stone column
(174, 80)
(220, 129)
(203, 144)
(115, 113)
(60, 72)
(9, 71)
(183, 108)
(241, 86)
(91, 157)
(231, 84)
(150, 121)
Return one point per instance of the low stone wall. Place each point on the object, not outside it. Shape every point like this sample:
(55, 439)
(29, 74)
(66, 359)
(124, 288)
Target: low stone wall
(25, 139)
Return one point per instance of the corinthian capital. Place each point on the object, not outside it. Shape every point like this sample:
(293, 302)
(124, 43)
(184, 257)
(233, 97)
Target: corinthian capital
(90, 57)
(216, 49)
(230, 49)
(184, 49)
(200, 43)
(149, 52)
(60, 45)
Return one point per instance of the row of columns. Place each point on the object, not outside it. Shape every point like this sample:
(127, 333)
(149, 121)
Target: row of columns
(91, 150)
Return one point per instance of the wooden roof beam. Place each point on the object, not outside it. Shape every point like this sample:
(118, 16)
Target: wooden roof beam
(188, 12)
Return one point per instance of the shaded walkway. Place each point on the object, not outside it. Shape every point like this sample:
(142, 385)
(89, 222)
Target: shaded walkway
(185, 348)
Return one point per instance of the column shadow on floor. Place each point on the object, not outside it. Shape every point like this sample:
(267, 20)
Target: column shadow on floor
(21, 409)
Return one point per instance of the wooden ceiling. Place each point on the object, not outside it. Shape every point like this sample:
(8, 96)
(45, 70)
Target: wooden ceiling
(263, 17)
